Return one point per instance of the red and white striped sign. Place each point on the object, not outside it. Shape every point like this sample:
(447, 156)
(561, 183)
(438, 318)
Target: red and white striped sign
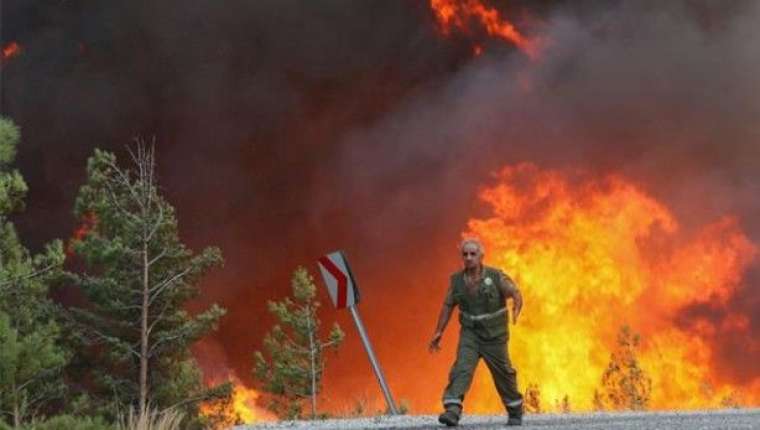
(339, 280)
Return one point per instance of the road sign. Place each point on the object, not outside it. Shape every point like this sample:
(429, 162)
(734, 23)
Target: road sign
(339, 280)
(344, 293)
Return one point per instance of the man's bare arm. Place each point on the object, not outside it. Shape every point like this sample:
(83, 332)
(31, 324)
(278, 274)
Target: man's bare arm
(510, 290)
(443, 319)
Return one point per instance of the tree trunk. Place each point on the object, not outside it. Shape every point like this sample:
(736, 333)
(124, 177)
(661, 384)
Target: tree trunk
(144, 335)
(16, 409)
(312, 352)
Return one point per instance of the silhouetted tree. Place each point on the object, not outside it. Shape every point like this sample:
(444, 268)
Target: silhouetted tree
(598, 403)
(624, 383)
(533, 399)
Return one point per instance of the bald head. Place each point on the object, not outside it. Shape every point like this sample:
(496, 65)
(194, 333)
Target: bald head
(473, 241)
(472, 253)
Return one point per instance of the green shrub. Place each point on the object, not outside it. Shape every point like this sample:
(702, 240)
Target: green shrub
(68, 422)
(64, 422)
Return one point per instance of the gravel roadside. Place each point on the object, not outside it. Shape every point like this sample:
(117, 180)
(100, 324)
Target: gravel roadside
(731, 419)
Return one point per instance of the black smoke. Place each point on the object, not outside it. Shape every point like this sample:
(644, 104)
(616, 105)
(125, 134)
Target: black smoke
(249, 103)
(287, 129)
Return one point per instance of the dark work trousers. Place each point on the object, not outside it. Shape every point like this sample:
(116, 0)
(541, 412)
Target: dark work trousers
(494, 351)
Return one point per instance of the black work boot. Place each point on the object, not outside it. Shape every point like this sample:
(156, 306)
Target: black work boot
(515, 416)
(450, 417)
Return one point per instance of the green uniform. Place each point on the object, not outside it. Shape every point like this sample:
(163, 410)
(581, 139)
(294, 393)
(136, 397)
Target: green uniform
(484, 333)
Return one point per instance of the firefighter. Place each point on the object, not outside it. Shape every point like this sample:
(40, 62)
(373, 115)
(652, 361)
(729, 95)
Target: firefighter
(481, 292)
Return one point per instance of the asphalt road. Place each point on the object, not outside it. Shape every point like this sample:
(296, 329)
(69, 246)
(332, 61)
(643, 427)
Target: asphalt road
(730, 419)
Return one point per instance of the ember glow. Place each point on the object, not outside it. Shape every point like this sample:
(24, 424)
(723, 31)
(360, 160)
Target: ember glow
(11, 50)
(593, 254)
(88, 223)
(461, 14)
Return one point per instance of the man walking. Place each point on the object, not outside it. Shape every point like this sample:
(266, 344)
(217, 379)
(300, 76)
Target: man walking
(481, 293)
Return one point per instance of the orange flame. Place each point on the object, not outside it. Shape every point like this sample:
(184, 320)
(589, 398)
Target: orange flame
(458, 14)
(591, 255)
(244, 404)
(11, 50)
(242, 409)
(89, 221)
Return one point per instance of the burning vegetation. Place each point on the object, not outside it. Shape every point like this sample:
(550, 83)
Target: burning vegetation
(594, 255)
(606, 271)
(241, 407)
(601, 124)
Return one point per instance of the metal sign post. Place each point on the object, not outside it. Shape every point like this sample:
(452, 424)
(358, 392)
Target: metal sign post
(373, 360)
(344, 293)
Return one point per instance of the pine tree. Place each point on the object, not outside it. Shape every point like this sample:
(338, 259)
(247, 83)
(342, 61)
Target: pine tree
(137, 276)
(731, 400)
(533, 399)
(26, 363)
(598, 403)
(624, 385)
(31, 358)
(293, 372)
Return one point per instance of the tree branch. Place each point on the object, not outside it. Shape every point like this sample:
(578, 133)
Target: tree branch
(126, 183)
(160, 255)
(40, 374)
(34, 274)
(132, 218)
(157, 224)
(156, 290)
(158, 318)
(194, 399)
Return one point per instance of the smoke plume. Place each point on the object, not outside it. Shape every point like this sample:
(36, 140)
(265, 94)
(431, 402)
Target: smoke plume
(289, 129)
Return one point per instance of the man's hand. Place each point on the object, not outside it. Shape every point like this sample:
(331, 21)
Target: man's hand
(517, 304)
(516, 309)
(435, 343)
(443, 319)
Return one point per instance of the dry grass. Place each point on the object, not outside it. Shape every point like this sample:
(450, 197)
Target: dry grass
(151, 419)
